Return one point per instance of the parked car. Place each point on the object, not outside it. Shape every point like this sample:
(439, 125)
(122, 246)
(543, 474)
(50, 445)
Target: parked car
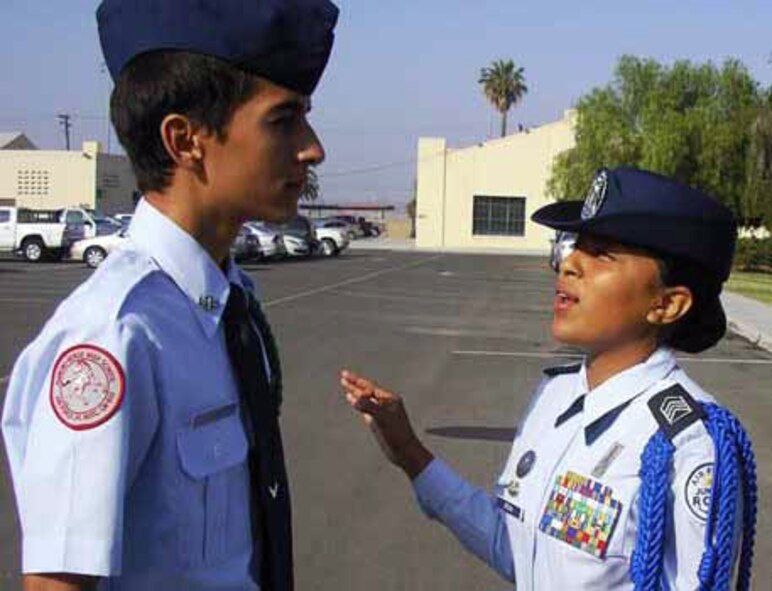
(297, 246)
(124, 218)
(270, 240)
(37, 234)
(94, 223)
(246, 246)
(363, 227)
(332, 241)
(338, 224)
(93, 251)
(300, 227)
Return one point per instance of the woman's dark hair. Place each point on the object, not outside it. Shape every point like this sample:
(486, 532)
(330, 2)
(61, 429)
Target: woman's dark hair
(157, 83)
(705, 323)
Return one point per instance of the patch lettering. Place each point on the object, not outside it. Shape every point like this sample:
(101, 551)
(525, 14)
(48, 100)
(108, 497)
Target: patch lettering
(582, 513)
(697, 491)
(87, 387)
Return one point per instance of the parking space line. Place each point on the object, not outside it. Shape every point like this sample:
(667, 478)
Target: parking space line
(31, 300)
(557, 355)
(353, 280)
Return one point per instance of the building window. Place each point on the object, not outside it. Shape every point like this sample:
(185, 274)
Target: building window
(32, 183)
(498, 216)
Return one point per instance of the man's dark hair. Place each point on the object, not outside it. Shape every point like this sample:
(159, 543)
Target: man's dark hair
(155, 84)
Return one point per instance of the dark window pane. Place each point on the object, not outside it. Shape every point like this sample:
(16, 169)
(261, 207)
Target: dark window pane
(498, 216)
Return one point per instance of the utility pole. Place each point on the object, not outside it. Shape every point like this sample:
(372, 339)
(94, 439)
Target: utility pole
(64, 120)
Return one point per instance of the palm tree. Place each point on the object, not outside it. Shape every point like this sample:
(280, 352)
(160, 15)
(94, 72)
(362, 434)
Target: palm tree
(311, 188)
(504, 86)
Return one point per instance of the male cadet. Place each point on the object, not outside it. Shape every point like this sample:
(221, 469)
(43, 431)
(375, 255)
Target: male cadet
(142, 423)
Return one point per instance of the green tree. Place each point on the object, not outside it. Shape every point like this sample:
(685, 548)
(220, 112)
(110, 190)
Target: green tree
(504, 86)
(311, 189)
(690, 121)
(758, 189)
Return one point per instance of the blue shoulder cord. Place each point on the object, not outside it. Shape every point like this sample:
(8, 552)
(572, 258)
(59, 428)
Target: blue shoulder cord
(734, 462)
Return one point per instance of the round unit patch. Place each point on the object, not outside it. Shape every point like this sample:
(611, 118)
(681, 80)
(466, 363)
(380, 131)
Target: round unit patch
(526, 463)
(697, 491)
(87, 387)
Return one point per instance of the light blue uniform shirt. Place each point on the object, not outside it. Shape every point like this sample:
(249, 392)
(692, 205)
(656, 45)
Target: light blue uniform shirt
(601, 445)
(150, 489)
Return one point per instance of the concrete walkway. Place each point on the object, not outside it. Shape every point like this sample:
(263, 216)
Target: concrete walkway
(749, 318)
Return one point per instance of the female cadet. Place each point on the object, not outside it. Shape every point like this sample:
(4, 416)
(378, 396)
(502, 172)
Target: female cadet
(624, 473)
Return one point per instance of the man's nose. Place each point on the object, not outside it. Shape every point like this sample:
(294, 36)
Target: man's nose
(312, 151)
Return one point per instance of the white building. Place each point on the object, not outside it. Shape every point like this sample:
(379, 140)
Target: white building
(482, 196)
(51, 179)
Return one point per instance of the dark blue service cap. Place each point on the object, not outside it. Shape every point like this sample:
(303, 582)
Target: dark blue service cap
(648, 210)
(286, 41)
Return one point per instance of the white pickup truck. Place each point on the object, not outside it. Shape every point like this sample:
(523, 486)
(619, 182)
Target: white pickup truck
(38, 234)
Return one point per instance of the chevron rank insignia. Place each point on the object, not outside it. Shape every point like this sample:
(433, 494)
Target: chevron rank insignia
(674, 409)
(582, 513)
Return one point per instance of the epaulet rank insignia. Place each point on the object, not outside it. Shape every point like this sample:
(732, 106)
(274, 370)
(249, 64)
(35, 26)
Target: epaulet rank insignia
(560, 370)
(675, 409)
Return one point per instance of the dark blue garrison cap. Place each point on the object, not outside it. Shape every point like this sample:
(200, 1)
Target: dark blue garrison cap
(670, 219)
(645, 209)
(286, 41)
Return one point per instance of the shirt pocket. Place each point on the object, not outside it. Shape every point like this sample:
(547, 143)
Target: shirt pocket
(213, 451)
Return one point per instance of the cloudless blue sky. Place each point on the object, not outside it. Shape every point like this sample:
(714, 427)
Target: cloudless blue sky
(400, 69)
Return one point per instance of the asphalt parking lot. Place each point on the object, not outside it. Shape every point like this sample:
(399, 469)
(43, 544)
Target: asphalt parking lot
(462, 337)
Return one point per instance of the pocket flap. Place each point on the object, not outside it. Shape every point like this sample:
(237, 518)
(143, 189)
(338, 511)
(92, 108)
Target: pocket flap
(214, 444)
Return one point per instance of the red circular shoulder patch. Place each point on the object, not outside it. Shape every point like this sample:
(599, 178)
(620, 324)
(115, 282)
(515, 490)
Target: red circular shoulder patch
(87, 387)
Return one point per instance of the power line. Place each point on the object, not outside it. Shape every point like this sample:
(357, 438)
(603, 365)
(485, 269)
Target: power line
(378, 167)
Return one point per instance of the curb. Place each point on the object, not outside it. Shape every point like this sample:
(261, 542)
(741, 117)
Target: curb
(749, 318)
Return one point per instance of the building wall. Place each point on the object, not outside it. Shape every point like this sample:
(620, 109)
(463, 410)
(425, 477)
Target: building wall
(514, 166)
(47, 179)
(116, 184)
(431, 192)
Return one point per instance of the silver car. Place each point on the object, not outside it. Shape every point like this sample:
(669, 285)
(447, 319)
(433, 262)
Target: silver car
(270, 240)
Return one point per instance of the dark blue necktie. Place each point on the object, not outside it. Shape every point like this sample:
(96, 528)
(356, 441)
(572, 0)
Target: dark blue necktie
(271, 518)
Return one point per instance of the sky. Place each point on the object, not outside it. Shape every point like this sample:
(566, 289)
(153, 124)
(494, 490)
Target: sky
(400, 69)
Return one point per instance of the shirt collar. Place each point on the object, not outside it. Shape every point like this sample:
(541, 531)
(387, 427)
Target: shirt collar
(188, 264)
(620, 389)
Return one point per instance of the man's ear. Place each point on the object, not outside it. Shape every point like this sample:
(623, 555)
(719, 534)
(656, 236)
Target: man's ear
(183, 141)
(670, 305)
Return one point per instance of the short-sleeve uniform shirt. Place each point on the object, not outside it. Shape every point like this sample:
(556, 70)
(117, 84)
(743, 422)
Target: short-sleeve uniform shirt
(123, 426)
(564, 511)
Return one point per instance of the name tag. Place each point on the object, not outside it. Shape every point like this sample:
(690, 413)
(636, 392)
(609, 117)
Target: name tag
(582, 513)
(510, 508)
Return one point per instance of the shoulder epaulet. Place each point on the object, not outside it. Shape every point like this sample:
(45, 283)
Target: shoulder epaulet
(559, 370)
(675, 409)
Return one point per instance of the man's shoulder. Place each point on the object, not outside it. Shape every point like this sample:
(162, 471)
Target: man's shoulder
(101, 299)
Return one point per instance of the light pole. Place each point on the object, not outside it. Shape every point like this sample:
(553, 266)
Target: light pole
(103, 70)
